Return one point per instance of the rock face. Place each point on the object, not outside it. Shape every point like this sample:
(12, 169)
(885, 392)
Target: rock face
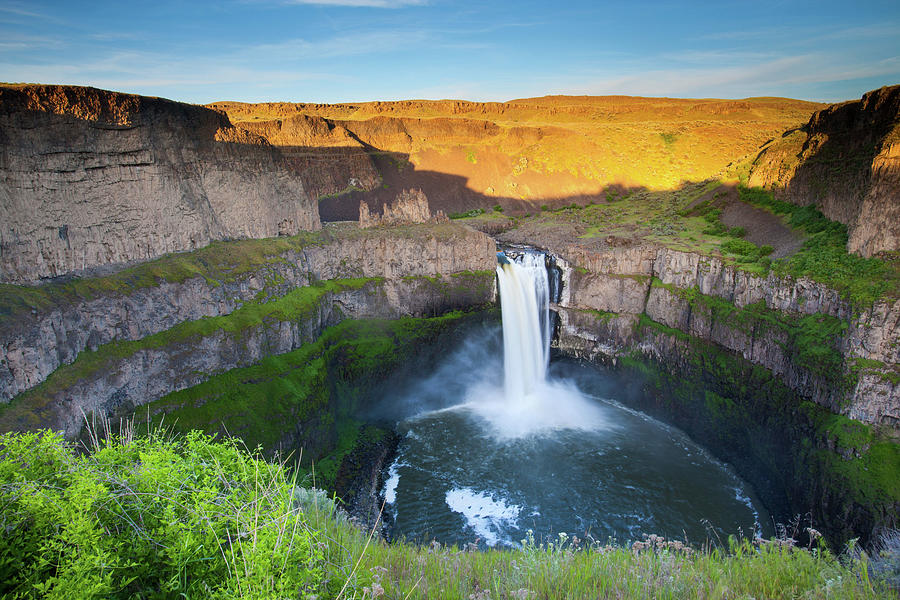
(329, 159)
(846, 162)
(36, 343)
(536, 151)
(410, 206)
(90, 178)
(768, 321)
(424, 272)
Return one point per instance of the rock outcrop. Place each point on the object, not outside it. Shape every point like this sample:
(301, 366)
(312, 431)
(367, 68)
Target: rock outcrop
(91, 178)
(803, 332)
(846, 162)
(409, 207)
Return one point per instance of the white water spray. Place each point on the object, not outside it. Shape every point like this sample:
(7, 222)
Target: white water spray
(529, 402)
(524, 302)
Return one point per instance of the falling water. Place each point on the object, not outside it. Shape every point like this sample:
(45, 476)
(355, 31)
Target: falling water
(524, 302)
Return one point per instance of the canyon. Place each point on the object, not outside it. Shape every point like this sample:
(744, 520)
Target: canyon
(149, 248)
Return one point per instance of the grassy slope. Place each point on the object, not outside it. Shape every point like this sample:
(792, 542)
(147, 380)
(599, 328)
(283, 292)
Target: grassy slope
(315, 389)
(688, 220)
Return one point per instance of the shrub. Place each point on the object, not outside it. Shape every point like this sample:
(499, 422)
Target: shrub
(467, 214)
(746, 251)
(151, 517)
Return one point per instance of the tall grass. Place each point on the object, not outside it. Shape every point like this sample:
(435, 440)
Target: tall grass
(157, 516)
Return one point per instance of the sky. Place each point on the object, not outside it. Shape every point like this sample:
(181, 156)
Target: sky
(357, 50)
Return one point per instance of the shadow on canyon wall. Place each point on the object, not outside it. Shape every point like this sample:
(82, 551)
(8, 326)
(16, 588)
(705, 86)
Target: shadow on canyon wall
(445, 191)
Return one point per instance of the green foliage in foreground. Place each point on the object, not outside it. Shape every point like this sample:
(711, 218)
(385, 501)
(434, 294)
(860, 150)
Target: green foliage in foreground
(150, 518)
(190, 517)
(824, 255)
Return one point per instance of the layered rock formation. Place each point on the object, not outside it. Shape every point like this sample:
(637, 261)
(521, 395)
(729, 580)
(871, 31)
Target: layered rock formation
(90, 178)
(846, 162)
(416, 270)
(526, 153)
(801, 331)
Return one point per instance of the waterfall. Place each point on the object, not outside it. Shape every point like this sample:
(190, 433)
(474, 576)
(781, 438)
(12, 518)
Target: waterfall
(524, 303)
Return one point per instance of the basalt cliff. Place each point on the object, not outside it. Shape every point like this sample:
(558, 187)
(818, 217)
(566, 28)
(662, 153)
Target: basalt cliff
(845, 161)
(90, 178)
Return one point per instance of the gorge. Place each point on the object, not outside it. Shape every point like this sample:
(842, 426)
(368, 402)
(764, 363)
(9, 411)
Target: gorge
(194, 266)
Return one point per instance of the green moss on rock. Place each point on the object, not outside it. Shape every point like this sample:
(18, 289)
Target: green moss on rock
(306, 399)
(800, 457)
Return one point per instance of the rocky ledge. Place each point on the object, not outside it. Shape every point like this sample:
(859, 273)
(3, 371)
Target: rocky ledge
(840, 356)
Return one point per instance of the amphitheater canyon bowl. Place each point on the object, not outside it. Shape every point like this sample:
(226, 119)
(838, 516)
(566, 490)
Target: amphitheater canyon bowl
(205, 267)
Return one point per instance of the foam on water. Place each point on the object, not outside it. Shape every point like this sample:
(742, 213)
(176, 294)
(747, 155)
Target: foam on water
(487, 516)
(393, 480)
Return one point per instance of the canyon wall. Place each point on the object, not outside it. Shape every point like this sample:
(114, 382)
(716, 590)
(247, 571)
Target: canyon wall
(841, 357)
(846, 162)
(330, 160)
(424, 270)
(781, 378)
(524, 153)
(91, 178)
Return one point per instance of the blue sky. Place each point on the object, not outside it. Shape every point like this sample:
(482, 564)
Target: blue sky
(355, 50)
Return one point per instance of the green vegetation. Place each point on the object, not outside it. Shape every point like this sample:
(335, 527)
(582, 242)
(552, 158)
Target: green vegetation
(296, 305)
(150, 517)
(824, 255)
(470, 156)
(317, 387)
(669, 139)
(467, 214)
(163, 517)
(746, 251)
(844, 469)
(682, 221)
(217, 263)
(813, 341)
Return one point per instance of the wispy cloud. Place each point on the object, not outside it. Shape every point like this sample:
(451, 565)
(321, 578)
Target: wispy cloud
(715, 56)
(362, 3)
(25, 14)
(115, 36)
(17, 41)
(891, 30)
(761, 78)
(19, 11)
(349, 44)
